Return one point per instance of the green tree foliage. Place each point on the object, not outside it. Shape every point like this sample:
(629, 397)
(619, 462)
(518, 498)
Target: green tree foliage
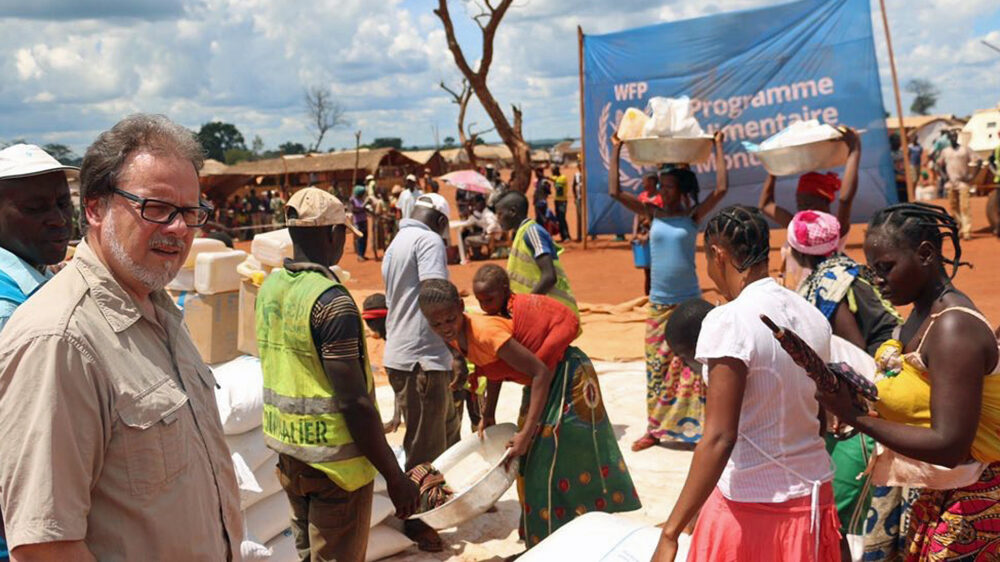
(292, 148)
(63, 154)
(449, 142)
(925, 95)
(387, 142)
(217, 137)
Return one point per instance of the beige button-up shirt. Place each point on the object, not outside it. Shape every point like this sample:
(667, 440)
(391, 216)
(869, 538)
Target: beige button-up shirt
(110, 430)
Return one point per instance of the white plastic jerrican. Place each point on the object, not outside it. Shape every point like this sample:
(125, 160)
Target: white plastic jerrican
(271, 248)
(215, 272)
(201, 246)
(184, 281)
(474, 469)
(632, 124)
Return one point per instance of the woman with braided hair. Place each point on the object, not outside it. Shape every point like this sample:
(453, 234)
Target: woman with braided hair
(939, 402)
(760, 475)
(675, 397)
(570, 462)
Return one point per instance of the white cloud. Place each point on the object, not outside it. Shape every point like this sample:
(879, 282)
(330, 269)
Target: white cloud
(75, 68)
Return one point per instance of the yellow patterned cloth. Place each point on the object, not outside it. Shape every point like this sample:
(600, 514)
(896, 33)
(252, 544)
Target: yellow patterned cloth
(906, 398)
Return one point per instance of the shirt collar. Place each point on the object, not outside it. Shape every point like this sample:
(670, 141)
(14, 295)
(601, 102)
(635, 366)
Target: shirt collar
(117, 306)
(27, 277)
(524, 222)
(405, 223)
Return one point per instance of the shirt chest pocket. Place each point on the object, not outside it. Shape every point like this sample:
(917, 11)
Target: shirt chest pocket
(155, 435)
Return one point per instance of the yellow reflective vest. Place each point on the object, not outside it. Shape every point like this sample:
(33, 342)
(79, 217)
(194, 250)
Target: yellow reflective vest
(524, 273)
(302, 417)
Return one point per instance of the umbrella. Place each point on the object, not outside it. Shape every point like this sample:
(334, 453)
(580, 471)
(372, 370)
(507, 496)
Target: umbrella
(469, 180)
(827, 377)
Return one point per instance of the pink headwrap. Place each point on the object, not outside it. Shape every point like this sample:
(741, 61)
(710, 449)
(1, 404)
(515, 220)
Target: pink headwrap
(814, 233)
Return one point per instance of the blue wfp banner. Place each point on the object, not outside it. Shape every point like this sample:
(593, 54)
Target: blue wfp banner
(750, 73)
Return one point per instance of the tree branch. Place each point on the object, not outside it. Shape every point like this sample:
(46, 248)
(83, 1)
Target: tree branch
(449, 31)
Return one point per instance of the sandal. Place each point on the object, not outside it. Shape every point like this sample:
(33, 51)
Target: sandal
(645, 442)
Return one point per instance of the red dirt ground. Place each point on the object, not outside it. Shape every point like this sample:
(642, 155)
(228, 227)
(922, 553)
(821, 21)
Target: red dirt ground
(603, 273)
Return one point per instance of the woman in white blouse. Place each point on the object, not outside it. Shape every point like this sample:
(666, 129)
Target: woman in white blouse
(760, 475)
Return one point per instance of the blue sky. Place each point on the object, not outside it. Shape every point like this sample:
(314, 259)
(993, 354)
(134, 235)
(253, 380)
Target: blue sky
(72, 67)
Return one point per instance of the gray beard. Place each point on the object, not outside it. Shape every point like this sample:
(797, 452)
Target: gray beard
(153, 280)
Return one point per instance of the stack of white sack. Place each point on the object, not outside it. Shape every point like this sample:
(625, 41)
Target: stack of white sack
(603, 537)
(266, 510)
(664, 117)
(798, 133)
(240, 399)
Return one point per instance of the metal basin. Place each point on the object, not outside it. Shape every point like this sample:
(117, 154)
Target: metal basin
(802, 158)
(474, 470)
(669, 150)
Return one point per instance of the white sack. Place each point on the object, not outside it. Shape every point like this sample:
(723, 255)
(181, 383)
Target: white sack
(240, 395)
(671, 117)
(383, 542)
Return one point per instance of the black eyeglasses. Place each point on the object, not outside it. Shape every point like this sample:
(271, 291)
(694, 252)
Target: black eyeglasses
(161, 212)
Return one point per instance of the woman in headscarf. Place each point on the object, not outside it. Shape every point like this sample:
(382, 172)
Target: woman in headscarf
(845, 292)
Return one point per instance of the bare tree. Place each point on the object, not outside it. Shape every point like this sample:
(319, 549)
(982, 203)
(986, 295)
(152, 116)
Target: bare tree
(488, 19)
(324, 113)
(467, 140)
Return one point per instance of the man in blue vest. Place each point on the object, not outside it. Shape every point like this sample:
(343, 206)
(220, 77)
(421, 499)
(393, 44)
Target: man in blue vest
(36, 217)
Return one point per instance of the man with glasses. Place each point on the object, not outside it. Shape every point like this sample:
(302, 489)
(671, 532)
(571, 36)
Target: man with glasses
(119, 452)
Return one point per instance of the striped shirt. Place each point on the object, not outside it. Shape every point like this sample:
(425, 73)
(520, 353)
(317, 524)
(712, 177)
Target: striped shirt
(540, 242)
(336, 326)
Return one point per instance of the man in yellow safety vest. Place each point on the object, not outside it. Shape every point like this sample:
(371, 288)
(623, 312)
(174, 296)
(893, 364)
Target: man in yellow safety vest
(320, 413)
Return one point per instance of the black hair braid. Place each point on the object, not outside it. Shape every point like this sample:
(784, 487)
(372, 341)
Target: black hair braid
(915, 223)
(745, 233)
(438, 291)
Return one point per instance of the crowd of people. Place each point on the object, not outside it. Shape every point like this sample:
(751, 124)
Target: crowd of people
(116, 450)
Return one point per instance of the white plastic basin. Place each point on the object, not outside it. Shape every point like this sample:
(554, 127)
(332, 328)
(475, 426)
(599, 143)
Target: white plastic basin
(802, 158)
(669, 150)
(474, 470)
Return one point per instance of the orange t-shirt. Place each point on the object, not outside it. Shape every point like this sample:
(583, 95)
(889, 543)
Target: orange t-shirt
(543, 325)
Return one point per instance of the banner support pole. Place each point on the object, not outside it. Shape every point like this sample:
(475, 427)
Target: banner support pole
(899, 107)
(583, 142)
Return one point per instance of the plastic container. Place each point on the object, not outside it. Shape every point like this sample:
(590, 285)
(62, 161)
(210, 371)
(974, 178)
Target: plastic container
(632, 124)
(802, 158)
(271, 248)
(184, 281)
(200, 246)
(640, 255)
(474, 469)
(669, 150)
(215, 272)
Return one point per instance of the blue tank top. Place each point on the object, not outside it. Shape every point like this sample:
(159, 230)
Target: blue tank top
(673, 277)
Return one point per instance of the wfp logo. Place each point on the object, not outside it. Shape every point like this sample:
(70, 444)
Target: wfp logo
(629, 175)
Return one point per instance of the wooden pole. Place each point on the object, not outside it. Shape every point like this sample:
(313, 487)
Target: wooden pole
(899, 107)
(357, 159)
(583, 141)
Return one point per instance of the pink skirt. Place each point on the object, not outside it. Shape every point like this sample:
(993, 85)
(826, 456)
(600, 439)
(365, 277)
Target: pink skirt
(763, 532)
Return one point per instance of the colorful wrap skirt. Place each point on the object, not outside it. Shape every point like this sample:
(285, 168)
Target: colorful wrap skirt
(574, 464)
(962, 524)
(675, 395)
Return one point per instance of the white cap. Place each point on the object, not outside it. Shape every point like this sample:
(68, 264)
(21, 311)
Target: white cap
(26, 160)
(434, 201)
(411, 177)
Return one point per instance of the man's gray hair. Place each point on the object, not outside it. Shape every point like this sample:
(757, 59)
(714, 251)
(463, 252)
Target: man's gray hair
(139, 132)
